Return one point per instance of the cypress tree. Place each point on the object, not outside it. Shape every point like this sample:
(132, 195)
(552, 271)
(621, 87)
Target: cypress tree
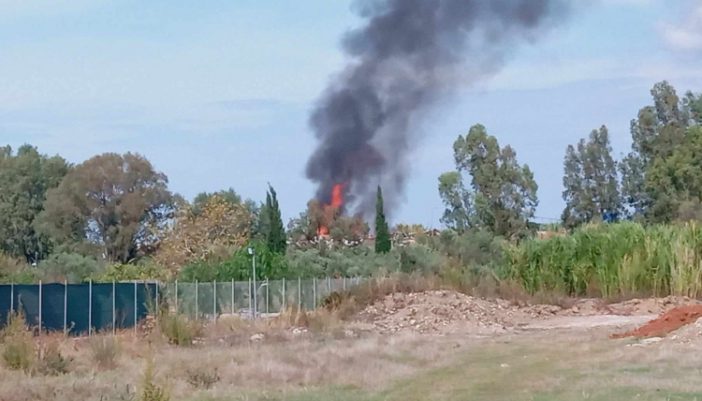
(382, 233)
(274, 229)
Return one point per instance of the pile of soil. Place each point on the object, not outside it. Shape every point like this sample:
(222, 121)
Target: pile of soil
(650, 306)
(668, 322)
(440, 312)
(689, 334)
(453, 312)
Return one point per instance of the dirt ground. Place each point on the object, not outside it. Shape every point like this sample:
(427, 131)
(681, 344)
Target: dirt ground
(436, 345)
(445, 312)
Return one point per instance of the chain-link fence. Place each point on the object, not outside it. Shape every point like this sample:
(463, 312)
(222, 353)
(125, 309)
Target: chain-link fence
(86, 308)
(209, 300)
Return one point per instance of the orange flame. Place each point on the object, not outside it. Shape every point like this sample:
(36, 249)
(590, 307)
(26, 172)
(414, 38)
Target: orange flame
(337, 196)
(337, 201)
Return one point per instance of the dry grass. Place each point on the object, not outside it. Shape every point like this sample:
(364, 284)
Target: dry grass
(555, 365)
(219, 367)
(104, 350)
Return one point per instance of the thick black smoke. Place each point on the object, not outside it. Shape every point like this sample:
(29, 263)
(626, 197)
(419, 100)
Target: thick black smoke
(409, 55)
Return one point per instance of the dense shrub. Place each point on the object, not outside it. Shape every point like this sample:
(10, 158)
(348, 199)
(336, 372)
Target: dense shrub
(150, 391)
(18, 345)
(72, 267)
(622, 259)
(144, 270)
(420, 259)
(469, 249)
(237, 266)
(178, 329)
(13, 270)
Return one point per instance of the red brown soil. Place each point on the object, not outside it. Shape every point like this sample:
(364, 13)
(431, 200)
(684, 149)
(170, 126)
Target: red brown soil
(666, 323)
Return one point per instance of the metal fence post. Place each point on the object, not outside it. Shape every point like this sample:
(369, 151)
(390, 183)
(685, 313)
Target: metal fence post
(267, 295)
(176, 297)
(314, 293)
(157, 287)
(299, 293)
(12, 297)
(90, 307)
(65, 307)
(250, 300)
(232, 296)
(285, 300)
(343, 283)
(135, 307)
(214, 300)
(197, 301)
(40, 302)
(114, 318)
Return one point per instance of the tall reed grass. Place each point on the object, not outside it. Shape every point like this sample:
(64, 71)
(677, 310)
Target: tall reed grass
(612, 260)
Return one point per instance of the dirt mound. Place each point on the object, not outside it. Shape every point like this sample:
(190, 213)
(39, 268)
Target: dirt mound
(691, 333)
(650, 305)
(668, 322)
(453, 312)
(440, 312)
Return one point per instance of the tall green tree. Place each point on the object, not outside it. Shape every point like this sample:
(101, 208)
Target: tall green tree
(382, 232)
(503, 192)
(271, 224)
(658, 132)
(25, 177)
(590, 181)
(113, 204)
(459, 201)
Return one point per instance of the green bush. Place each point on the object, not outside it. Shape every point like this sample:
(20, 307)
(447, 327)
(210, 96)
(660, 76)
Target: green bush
(144, 270)
(469, 249)
(238, 266)
(18, 351)
(13, 270)
(178, 329)
(612, 260)
(419, 259)
(71, 267)
(355, 261)
(150, 391)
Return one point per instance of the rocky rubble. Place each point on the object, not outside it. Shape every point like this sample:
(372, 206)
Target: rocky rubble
(440, 312)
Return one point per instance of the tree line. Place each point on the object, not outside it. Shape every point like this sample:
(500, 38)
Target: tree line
(658, 181)
(115, 211)
(114, 217)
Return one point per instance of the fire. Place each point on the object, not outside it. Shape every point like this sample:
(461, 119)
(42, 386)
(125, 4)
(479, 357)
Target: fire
(337, 196)
(337, 201)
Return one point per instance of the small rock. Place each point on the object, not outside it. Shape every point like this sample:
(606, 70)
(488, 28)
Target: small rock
(257, 337)
(504, 365)
(651, 340)
(299, 331)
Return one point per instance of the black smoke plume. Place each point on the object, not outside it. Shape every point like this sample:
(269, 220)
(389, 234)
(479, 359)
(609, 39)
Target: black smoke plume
(408, 55)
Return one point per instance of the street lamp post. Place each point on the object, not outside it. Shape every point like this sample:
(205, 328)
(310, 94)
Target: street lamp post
(252, 252)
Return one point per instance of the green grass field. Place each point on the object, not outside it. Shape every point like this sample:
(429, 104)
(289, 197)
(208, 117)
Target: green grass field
(545, 367)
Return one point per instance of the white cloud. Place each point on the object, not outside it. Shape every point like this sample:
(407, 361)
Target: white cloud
(685, 34)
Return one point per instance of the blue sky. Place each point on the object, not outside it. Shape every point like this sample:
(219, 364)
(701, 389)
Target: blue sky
(217, 93)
